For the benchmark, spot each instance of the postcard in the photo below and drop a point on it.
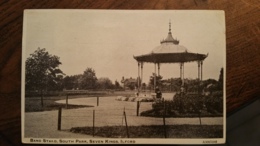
(123, 77)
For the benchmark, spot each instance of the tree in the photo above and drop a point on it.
(158, 80)
(131, 83)
(220, 80)
(88, 80)
(143, 86)
(117, 85)
(68, 83)
(104, 83)
(42, 72)
(59, 83)
(72, 82)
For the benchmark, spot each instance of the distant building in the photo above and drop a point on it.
(129, 83)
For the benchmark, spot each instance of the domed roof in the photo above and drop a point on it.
(169, 48)
(169, 38)
(170, 45)
(170, 52)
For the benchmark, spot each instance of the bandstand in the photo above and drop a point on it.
(169, 51)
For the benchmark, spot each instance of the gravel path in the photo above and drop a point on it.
(108, 113)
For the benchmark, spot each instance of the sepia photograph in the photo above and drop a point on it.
(123, 77)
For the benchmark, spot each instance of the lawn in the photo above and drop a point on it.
(108, 119)
(33, 104)
(154, 131)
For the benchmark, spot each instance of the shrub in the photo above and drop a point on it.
(188, 103)
(214, 102)
(166, 108)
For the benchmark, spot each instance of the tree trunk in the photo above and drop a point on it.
(41, 98)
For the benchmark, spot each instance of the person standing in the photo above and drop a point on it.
(158, 92)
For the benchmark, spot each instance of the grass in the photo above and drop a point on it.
(33, 104)
(154, 131)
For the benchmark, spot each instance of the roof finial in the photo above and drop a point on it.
(170, 26)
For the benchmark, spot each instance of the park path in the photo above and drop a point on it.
(108, 113)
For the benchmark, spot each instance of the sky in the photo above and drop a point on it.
(107, 40)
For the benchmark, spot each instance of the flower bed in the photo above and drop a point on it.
(188, 105)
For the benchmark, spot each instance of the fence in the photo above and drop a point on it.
(110, 112)
(102, 117)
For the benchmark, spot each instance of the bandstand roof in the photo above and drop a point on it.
(170, 52)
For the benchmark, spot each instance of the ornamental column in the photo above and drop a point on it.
(181, 71)
(141, 75)
(182, 74)
(158, 69)
(138, 78)
(199, 69)
(154, 76)
(158, 65)
(201, 64)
